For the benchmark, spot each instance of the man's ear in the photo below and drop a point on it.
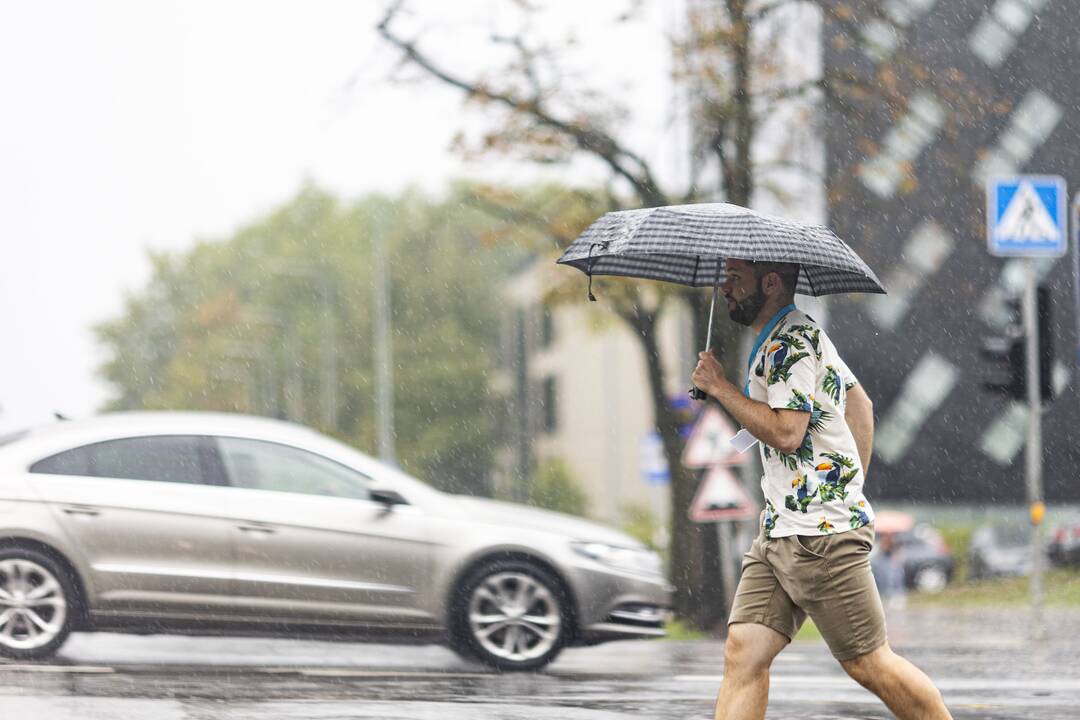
(772, 283)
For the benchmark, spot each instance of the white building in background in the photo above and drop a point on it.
(575, 383)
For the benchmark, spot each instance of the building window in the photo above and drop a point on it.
(548, 399)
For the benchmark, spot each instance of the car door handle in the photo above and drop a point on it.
(266, 530)
(81, 510)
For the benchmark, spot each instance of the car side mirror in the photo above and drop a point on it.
(389, 498)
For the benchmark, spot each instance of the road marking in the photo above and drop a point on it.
(1046, 685)
(359, 673)
(89, 669)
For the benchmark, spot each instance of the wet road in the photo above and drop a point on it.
(982, 661)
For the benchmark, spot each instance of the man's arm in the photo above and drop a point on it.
(782, 429)
(859, 415)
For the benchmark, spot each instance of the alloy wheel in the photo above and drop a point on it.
(514, 616)
(33, 605)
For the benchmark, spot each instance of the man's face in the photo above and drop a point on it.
(743, 293)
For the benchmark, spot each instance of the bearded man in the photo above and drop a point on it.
(815, 427)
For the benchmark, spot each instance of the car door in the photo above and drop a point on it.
(148, 515)
(312, 545)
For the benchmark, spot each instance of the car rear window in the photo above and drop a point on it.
(160, 458)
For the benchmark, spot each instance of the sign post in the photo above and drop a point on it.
(1026, 217)
(1076, 267)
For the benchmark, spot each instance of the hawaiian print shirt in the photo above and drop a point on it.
(816, 490)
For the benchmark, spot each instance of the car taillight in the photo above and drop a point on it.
(1059, 536)
(1076, 531)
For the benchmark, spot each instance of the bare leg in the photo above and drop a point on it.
(904, 688)
(748, 654)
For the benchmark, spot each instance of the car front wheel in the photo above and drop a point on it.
(511, 615)
(36, 604)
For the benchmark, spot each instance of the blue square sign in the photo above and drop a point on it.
(1027, 216)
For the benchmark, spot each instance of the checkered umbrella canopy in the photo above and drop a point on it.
(687, 244)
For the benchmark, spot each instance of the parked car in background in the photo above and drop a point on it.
(1000, 551)
(224, 524)
(1064, 544)
(921, 551)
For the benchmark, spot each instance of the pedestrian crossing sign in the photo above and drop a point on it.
(1027, 216)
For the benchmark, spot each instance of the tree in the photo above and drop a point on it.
(238, 325)
(553, 486)
(731, 61)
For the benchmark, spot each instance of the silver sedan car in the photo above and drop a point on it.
(224, 524)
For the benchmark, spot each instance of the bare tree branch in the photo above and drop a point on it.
(777, 165)
(622, 161)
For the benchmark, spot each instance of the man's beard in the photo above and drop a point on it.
(746, 311)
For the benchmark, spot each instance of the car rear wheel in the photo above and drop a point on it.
(36, 604)
(511, 615)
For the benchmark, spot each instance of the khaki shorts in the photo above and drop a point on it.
(826, 577)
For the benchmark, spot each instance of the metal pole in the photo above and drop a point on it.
(328, 331)
(1033, 456)
(712, 306)
(294, 376)
(1076, 270)
(384, 374)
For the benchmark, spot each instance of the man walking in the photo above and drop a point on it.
(815, 426)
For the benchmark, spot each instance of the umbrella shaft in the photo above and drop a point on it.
(712, 307)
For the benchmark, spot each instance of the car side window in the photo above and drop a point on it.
(261, 465)
(158, 458)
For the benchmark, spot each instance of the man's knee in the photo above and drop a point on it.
(872, 668)
(750, 649)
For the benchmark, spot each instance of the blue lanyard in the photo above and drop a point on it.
(761, 338)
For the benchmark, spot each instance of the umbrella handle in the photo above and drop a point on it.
(697, 393)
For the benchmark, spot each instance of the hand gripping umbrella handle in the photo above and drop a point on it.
(695, 392)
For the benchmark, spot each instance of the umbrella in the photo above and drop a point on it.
(687, 244)
(892, 521)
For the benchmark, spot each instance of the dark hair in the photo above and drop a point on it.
(788, 272)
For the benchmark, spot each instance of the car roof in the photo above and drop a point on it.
(46, 440)
(158, 422)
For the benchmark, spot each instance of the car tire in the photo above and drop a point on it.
(930, 579)
(38, 604)
(512, 615)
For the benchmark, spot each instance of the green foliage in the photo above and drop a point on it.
(958, 538)
(681, 630)
(554, 487)
(640, 523)
(240, 325)
(808, 632)
(1061, 587)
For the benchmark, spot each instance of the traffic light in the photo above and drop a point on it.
(1009, 350)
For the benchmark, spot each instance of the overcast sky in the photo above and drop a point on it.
(128, 126)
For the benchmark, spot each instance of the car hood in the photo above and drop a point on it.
(507, 514)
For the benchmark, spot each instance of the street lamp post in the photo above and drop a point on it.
(328, 381)
(384, 371)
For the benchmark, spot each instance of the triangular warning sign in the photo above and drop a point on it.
(708, 443)
(721, 497)
(1026, 219)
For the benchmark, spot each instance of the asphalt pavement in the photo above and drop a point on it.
(983, 660)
